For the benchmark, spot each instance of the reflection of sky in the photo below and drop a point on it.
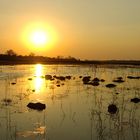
(38, 80)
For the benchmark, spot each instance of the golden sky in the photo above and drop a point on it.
(86, 29)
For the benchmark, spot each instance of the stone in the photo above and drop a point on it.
(36, 106)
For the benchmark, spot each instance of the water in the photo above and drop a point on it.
(74, 111)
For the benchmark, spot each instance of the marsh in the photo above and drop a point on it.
(73, 110)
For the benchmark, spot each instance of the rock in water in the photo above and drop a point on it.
(36, 106)
(112, 109)
(135, 100)
(110, 85)
(133, 77)
(102, 80)
(95, 83)
(13, 83)
(48, 77)
(96, 79)
(86, 79)
(119, 81)
(68, 77)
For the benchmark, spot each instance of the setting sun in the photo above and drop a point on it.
(39, 38)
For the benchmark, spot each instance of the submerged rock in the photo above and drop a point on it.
(13, 83)
(30, 79)
(48, 77)
(95, 83)
(110, 85)
(33, 90)
(80, 76)
(135, 100)
(102, 80)
(37, 106)
(112, 109)
(42, 76)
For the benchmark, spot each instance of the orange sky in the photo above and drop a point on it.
(84, 29)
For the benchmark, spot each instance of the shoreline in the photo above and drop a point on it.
(97, 62)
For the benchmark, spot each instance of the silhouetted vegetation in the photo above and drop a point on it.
(11, 57)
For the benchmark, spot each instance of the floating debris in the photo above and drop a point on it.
(112, 109)
(58, 85)
(37, 106)
(110, 85)
(135, 100)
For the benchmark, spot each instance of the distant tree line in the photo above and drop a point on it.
(10, 57)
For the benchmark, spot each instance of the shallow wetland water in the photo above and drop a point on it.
(80, 103)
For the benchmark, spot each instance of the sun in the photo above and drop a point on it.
(39, 38)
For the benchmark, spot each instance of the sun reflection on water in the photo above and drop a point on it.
(38, 80)
(38, 70)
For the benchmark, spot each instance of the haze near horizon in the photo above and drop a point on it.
(91, 29)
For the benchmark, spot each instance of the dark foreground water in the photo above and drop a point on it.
(74, 110)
